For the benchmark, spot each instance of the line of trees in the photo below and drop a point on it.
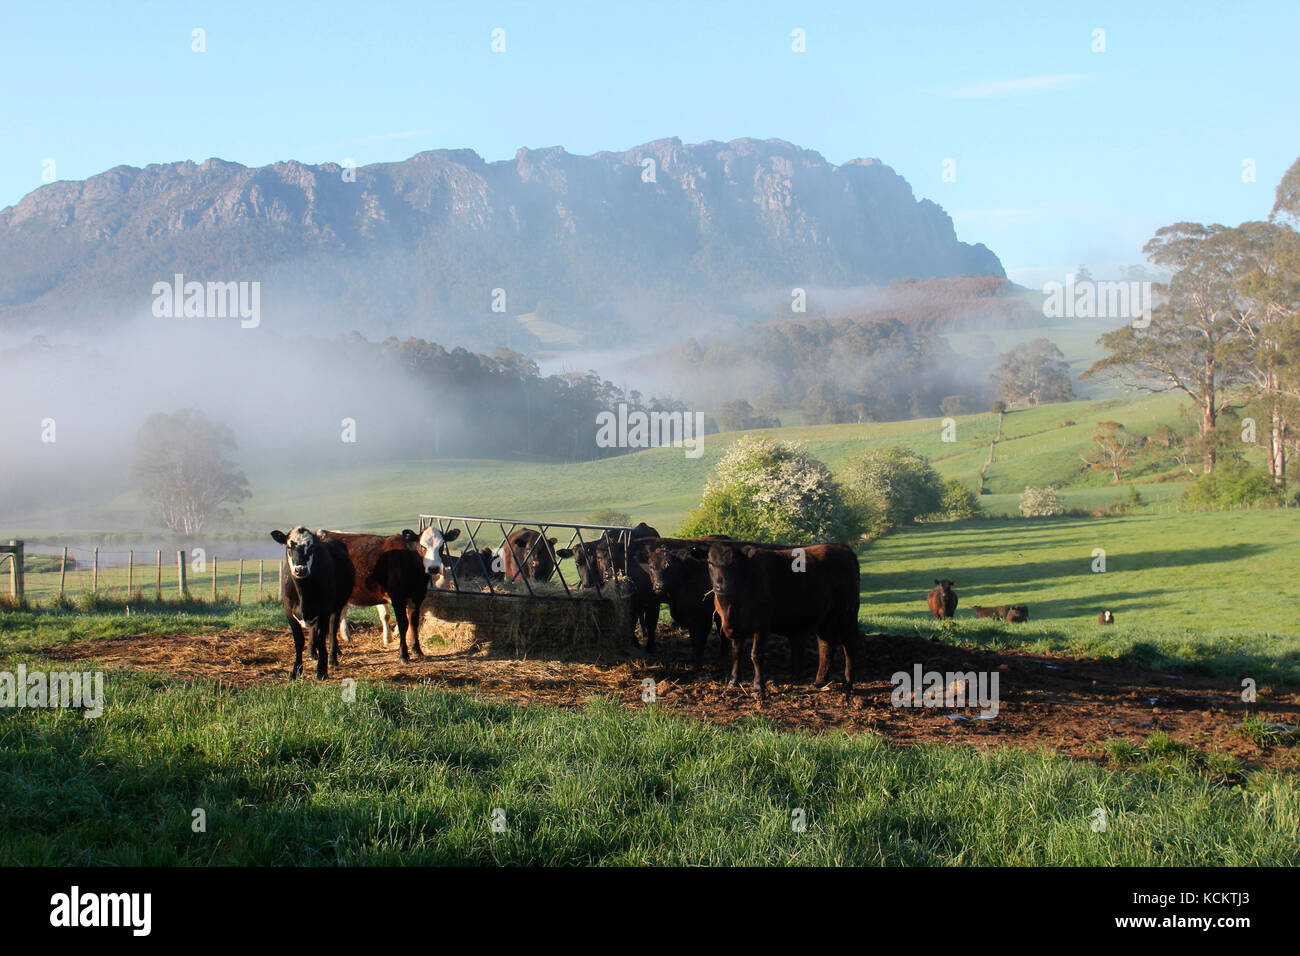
(1226, 331)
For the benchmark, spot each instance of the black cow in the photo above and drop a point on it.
(791, 591)
(942, 600)
(606, 558)
(477, 566)
(679, 577)
(315, 592)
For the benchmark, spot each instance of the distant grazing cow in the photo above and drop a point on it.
(1012, 613)
(390, 569)
(526, 555)
(791, 591)
(1106, 617)
(942, 600)
(314, 592)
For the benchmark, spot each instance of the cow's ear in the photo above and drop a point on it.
(409, 535)
(551, 541)
(936, 580)
(563, 552)
(279, 536)
(451, 535)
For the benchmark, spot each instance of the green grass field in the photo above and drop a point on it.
(412, 774)
(297, 775)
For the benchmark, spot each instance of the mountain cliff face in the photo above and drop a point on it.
(610, 247)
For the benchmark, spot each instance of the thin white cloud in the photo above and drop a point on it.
(1047, 83)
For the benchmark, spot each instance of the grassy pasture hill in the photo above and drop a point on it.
(1039, 446)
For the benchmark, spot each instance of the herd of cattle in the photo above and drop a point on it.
(748, 590)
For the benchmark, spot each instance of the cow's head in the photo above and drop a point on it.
(431, 545)
(534, 557)
(584, 559)
(299, 550)
(944, 584)
(667, 567)
(1107, 617)
(727, 566)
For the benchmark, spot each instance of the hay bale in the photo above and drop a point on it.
(512, 623)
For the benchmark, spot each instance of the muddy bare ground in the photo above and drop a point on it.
(1070, 705)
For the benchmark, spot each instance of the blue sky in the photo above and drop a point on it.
(1063, 155)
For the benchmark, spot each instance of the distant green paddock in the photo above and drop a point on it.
(1203, 589)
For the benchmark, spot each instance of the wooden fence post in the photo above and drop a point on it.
(260, 562)
(94, 572)
(130, 572)
(239, 583)
(279, 577)
(63, 569)
(180, 573)
(16, 584)
(158, 583)
(214, 579)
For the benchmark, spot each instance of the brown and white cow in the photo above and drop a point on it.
(393, 569)
(431, 546)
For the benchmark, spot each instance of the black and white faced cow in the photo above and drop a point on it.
(315, 591)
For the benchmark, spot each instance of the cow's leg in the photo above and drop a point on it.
(318, 630)
(699, 638)
(823, 662)
(650, 624)
(399, 611)
(334, 623)
(756, 655)
(303, 626)
(850, 651)
(344, 636)
(385, 621)
(735, 660)
(412, 607)
(298, 639)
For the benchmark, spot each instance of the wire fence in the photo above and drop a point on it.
(128, 573)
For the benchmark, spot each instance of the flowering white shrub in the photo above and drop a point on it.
(770, 491)
(1041, 503)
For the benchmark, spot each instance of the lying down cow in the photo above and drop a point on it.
(1011, 613)
(791, 591)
